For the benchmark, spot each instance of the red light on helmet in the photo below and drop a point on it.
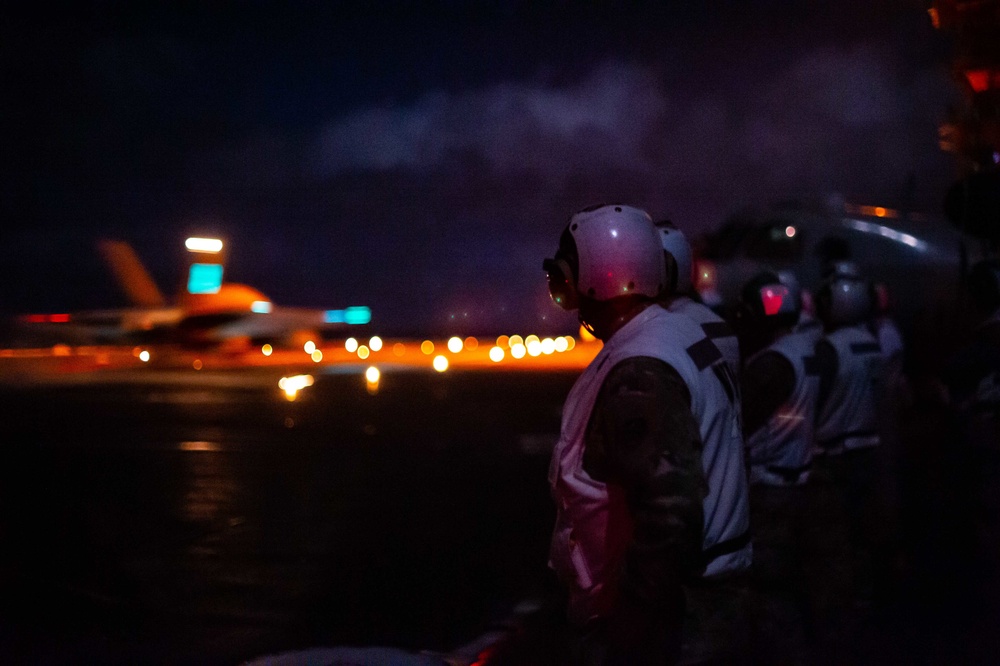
(773, 298)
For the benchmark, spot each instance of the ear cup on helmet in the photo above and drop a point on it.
(678, 258)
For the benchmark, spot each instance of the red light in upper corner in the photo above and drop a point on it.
(59, 318)
(772, 298)
(980, 79)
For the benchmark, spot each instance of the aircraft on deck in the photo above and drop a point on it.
(208, 311)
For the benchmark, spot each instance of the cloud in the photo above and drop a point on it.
(599, 122)
(850, 87)
(800, 128)
(464, 192)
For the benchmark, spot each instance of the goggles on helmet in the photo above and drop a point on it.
(561, 286)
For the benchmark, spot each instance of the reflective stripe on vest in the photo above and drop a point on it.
(714, 327)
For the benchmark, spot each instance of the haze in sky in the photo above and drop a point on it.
(423, 162)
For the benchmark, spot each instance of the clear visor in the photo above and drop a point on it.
(561, 287)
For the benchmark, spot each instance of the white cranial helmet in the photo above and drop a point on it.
(607, 252)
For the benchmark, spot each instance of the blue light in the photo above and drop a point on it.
(261, 307)
(204, 279)
(358, 315)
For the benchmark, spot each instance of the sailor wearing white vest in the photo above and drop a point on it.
(680, 294)
(849, 429)
(780, 385)
(850, 363)
(648, 474)
(780, 389)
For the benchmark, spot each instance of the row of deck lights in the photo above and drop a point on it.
(518, 347)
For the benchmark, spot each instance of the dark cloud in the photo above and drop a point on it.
(796, 131)
(424, 162)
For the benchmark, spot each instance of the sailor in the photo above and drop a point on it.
(848, 428)
(681, 296)
(850, 362)
(780, 385)
(780, 391)
(648, 473)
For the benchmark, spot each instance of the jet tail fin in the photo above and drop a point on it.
(130, 274)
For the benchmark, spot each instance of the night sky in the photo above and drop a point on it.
(423, 161)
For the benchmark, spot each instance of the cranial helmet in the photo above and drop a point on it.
(845, 297)
(772, 301)
(605, 253)
(677, 257)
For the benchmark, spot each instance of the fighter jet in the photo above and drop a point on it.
(207, 311)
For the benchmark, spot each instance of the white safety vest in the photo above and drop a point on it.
(593, 527)
(714, 327)
(849, 418)
(781, 450)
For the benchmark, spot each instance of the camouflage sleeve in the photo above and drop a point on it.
(643, 437)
